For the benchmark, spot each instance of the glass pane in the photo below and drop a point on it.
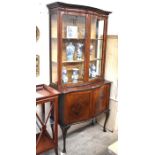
(96, 49)
(95, 69)
(96, 46)
(97, 27)
(54, 50)
(73, 61)
(72, 73)
(54, 26)
(73, 49)
(73, 26)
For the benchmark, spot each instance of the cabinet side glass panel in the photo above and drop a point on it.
(96, 46)
(54, 48)
(73, 48)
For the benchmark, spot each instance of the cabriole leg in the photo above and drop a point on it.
(94, 121)
(107, 116)
(64, 134)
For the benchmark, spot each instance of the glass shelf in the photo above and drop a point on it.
(74, 61)
(93, 78)
(71, 82)
(69, 38)
(95, 59)
(73, 38)
(96, 39)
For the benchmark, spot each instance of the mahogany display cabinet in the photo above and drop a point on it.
(77, 43)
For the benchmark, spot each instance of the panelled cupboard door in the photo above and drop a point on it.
(101, 99)
(77, 107)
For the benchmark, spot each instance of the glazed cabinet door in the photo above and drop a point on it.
(53, 48)
(96, 52)
(101, 99)
(73, 48)
(77, 107)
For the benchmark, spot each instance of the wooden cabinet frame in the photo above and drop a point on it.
(87, 14)
(94, 92)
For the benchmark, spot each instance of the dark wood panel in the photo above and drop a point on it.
(101, 99)
(77, 107)
(75, 6)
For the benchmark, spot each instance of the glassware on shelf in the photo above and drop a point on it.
(64, 75)
(75, 75)
(70, 49)
(79, 51)
(92, 71)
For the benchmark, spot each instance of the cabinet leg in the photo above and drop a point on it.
(107, 116)
(94, 121)
(64, 134)
(56, 151)
(52, 130)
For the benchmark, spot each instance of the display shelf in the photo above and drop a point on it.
(74, 61)
(76, 39)
(93, 78)
(96, 39)
(94, 59)
(54, 61)
(77, 83)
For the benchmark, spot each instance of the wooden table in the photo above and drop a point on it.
(45, 140)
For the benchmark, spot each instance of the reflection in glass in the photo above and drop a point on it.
(54, 51)
(95, 69)
(64, 75)
(92, 71)
(96, 49)
(97, 26)
(79, 51)
(75, 75)
(73, 26)
(70, 49)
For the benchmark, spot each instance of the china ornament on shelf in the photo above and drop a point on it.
(91, 49)
(92, 71)
(79, 51)
(70, 49)
(64, 75)
(75, 75)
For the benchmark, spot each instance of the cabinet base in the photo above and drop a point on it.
(64, 130)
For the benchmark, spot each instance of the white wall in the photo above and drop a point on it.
(42, 46)
(111, 74)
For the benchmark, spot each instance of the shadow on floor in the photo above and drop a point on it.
(88, 140)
